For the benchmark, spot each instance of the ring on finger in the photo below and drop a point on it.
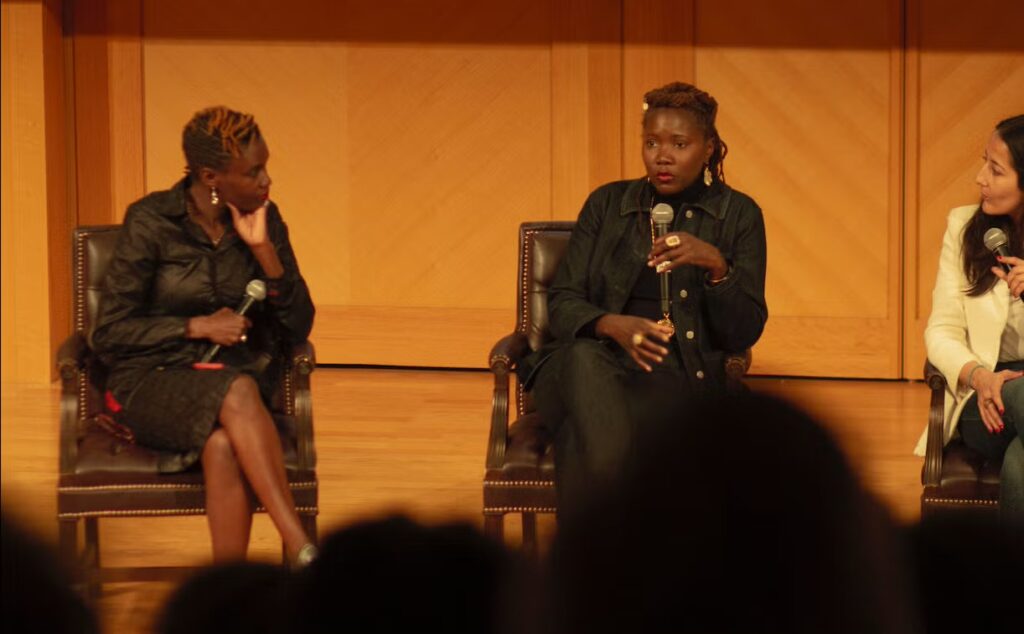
(673, 241)
(638, 339)
(664, 265)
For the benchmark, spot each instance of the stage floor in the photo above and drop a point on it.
(411, 441)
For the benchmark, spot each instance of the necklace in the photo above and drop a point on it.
(197, 217)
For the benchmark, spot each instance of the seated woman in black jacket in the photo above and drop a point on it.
(183, 261)
(618, 359)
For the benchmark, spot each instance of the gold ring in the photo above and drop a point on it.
(638, 339)
(663, 266)
(672, 241)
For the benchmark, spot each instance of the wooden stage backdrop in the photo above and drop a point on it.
(409, 140)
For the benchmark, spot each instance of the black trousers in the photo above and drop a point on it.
(595, 400)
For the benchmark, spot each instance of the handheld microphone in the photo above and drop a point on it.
(996, 242)
(662, 216)
(255, 291)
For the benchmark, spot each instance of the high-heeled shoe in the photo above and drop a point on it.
(306, 555)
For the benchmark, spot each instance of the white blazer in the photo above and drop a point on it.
(961, 328)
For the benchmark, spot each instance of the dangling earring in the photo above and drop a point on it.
(707, 175)
(215, 199)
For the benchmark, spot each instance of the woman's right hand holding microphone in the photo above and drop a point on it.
(224, 327)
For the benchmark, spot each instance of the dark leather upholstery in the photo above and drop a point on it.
(955, 477)
(520, 457)
(102, 475)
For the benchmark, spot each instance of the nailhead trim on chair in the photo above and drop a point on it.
(190, 511)
(519, 483)
(525, 279)
(501, 510)
(501, 357)
(140, 512)
(182, 487)
(955, 501)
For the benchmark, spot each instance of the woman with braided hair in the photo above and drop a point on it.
(618, 360)
(183, 261)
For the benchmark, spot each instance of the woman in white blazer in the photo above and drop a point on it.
(975, 334)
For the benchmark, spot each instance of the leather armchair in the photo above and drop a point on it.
(520, 465)
(102, 475)
(955, 477)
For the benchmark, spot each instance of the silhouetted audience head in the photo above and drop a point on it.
(239, 597)
(394, 575)
(741, 515)
(970, 572)
(37, 596)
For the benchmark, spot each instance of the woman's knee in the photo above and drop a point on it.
(586, 360)
(1013, 403)
(218, 450)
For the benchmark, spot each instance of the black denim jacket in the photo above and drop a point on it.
(608, 250)
(165, 270)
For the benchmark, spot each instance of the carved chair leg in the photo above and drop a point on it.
(530, 534)
(92, 558)
(494, 527)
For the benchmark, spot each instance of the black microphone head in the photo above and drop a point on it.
(256, 289)
(662, 214)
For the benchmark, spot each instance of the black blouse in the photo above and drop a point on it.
(165, 270)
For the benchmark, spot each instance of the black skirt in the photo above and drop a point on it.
(174, 410)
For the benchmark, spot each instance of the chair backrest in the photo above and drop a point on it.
(91, 252)
(541, 247)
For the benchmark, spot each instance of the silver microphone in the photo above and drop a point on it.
(255, 291)
(662, 216)
(996, 242)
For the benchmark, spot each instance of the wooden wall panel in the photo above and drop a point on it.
(404, 168)
(813, 133)
(108, 103)
(27, 194)
(586, 101)
(60, 213)
(409, 139)
(965, 73)
(657, 48)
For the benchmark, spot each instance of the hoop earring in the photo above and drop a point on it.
(215, 198)
(707, 175)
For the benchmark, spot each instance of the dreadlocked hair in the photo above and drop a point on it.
(978, 260)
(703, 107)
(214, 135)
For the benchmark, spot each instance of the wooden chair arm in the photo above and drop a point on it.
(737, 364)
(932, 473)
(72, 356)
(509, 350)
(302, 362)
(505, 354)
